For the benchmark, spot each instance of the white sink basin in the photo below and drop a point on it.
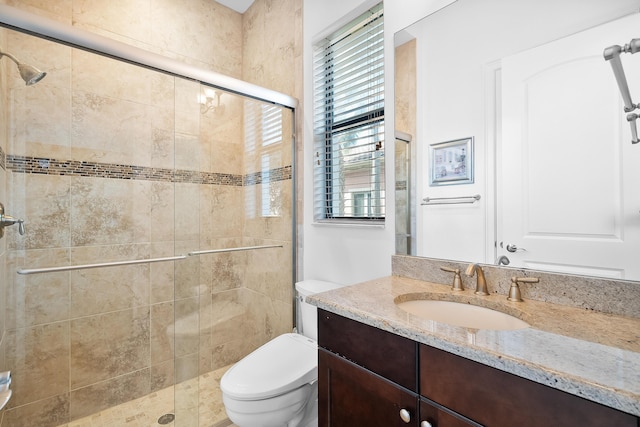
(459, 314)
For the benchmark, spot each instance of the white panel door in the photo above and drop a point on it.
(569, 184)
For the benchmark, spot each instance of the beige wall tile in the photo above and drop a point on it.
(163, 210)
(226, 353)
(187, 199)
(41, 115)
(162, 375)
(45, 209)
(36, 299)
(109, 289)
(38, 355)
(228, 269)
(50, 412)
(227, 212)
(58, 7)
(96, 397)
(189, 152)
(109, 211)
(162, 332)
(224, 129)
(186, 369)
(187, 108)
(111, 78)
(162, 274)
(230, 316)
(108, 345)
(187, 327)
(110, 130)
(187, 272)
(123, 17)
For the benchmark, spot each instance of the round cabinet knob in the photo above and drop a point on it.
(405, 415)
(425, 424)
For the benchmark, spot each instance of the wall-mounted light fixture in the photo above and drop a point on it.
(210, 100)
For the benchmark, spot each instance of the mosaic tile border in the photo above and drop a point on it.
(48, 166)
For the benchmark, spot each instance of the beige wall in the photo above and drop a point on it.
(95, 338)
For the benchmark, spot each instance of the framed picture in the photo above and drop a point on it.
(451, 162)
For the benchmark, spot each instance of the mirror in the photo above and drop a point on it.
(553, 158)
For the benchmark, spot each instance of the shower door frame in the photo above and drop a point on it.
(41, 27)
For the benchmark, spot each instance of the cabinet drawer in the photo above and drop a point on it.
(496, 398)
(382, 352)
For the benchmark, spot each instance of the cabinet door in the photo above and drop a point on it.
(349, 395)
(498, 399)
(436, 416)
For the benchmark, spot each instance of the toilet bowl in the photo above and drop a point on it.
(276, 385)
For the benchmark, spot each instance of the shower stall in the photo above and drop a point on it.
(158, 246)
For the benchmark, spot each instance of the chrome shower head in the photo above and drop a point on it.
(30, 74)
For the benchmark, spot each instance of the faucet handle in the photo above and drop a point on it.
(514, 290)
(6, 220)
(457, 281)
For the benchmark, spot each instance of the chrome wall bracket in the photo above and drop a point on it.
(6, 220)
(612, 54)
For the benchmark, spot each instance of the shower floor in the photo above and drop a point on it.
(145, 411)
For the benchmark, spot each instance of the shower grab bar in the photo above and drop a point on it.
(25, 271)
(450, 200)
(246, 248)
(98, 265)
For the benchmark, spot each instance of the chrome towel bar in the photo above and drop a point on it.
(450, 200)
(25, 271)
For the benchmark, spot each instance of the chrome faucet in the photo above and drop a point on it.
(481, 283)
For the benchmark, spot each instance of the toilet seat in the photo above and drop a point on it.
(283, 364)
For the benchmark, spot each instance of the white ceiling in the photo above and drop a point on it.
(237, 5)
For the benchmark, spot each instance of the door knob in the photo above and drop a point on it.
(405, 415)
(502, 260)
(512, 248)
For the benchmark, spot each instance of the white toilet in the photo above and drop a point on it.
(276, 385)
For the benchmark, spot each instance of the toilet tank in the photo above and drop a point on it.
(307, 314)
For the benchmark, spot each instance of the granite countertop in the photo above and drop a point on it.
(586, 353)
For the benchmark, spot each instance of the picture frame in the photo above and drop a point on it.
(451, 162)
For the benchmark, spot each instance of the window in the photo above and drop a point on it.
(349, 121)
(263, 133)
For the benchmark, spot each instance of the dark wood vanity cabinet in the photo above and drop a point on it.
(367, 376)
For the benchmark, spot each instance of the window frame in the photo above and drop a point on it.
(370, 119)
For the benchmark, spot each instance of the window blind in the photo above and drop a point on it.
(349, 121)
